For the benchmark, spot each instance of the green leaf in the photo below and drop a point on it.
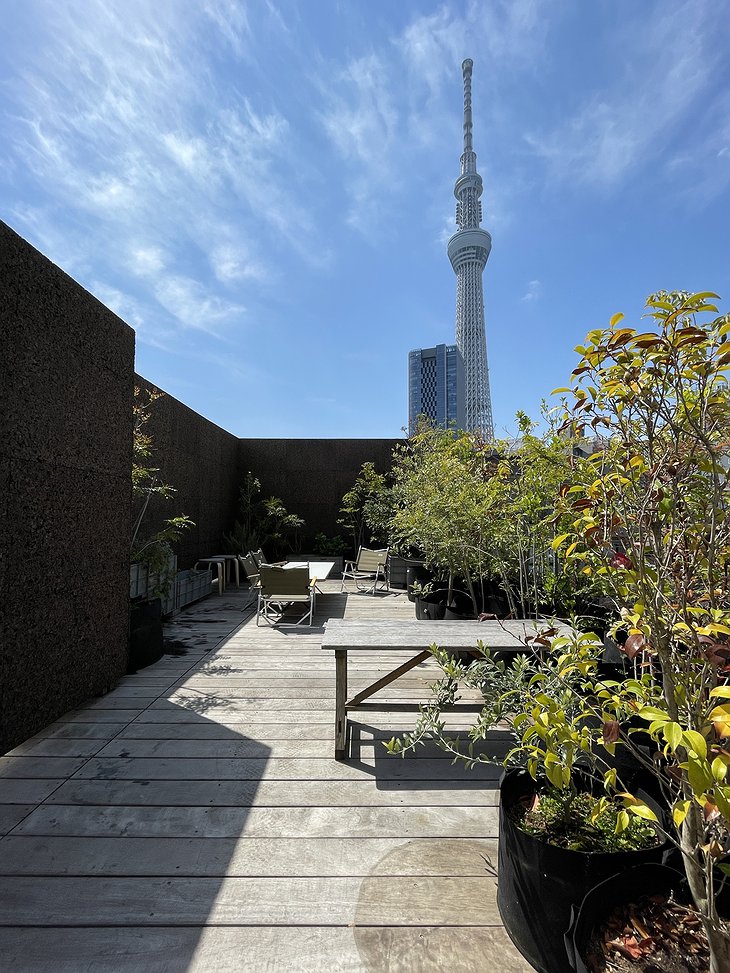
(652, 714)
(622, 821)
(695, 742)
(719, 769)
(643, 810)
(673, 734)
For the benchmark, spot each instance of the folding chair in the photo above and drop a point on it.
(252, 574)
(280, 587)
(369, 566)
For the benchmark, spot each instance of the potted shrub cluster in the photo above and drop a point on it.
(644, 518)
(477, 512)
(263, 524)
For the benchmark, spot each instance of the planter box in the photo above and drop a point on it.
(146, 585)
(191, 585)
(397, 572)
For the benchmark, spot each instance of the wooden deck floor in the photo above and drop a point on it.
(194, 820)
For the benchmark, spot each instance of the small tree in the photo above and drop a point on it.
(263, 523)
(443, 490)
(365, 508)
(653, 524)
(154, 549)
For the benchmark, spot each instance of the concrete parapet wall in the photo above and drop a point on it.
(66, 367)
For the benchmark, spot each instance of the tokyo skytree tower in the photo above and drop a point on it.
(468, 251)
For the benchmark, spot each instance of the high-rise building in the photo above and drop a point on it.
(436, 386)
(468, 251)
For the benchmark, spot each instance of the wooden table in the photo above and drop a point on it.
(372, 635)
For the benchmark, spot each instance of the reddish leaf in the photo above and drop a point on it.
(620, 560)
(633, 645)
(610, 731)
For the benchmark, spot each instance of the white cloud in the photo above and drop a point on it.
(149, 260)
(193, 306)
(533, 292)
(122, 120)
(629, 122)
(233, 262)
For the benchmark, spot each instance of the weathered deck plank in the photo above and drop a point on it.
(193, 819)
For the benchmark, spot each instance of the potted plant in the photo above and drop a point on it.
(567, 817)
(263, 523)
(365, 509)
(154, 565)
(652, 523)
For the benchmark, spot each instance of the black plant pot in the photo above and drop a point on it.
(614, 892)
(416, 573)
(460, 607)
(432, 607)
(145, 633)
(539, 884)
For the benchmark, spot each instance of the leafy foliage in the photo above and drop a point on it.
(263, 523)
(652, 524)
(335, 546)
(153, 550)
(366, 508)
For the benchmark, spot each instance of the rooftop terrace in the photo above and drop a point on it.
(194, 819)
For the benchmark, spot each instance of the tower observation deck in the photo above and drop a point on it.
(468, 251)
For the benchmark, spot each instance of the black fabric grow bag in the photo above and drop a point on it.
(539, 884)
(432, 607)
(460, 607)
(618, 890)
(145, 634)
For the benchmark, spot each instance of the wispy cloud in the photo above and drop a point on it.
(533, 292)
(630, 121)
(122, 121)
(195, 307)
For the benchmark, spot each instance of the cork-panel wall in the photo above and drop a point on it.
(201, 461)
(311, 476)
(66, 379)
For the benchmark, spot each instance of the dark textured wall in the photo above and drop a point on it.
(311, 475)
(201, 461)
(66, 367)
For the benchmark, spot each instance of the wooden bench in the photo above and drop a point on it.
(371, 635)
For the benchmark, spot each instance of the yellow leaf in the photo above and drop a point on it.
(615, 319)
(720, 718)
(557, 541)
(679, 811)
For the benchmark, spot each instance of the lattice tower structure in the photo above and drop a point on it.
(468, 251)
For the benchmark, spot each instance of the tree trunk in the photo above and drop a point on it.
(719, 949)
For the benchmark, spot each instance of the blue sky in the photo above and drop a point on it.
(264, 190)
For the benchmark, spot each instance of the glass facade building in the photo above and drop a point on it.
(436, 386)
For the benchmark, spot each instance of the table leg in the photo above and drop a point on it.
(340, 700)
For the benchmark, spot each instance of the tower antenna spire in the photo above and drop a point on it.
(468, 251)
(468, 159)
